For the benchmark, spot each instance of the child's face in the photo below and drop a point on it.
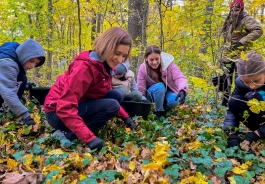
(254, 81)
(117, 76)
(31, 63)
(153, 60)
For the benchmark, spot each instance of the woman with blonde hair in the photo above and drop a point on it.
(82, 99)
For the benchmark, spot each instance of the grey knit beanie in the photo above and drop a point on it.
(121, 69)
(28, 50)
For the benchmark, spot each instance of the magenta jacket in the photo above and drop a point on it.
(171, 76)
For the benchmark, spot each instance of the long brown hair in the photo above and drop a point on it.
(106, 44)
(150, 71)
(253, 65)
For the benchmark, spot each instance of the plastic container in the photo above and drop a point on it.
(39, 93)
(137, 108)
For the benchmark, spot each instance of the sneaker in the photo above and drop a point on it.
(63, 140)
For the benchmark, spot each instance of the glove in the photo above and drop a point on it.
(233, 140)
(238, 44)
(181, 96)
(129, 123)
(28, 121)
(96, 143)
(29, 85)
(251, 137)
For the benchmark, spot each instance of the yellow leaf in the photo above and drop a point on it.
(243, 56)
(232, 180)
(28, 161)
(12, 164)
(151, 166)
(2, 136)
(256, 106)
(132, 165)
(74, 182)
(194, 145)
(217, 148)
(81, 177)
(238, 170)
(56, 152)
(51, 168)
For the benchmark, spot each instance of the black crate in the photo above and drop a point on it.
(137, 108)
(39, 93)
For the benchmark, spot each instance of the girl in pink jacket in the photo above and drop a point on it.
(161, 81)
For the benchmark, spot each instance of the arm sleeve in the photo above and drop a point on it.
(9, 71)
(141, 83)
(179, 78)
(230, 122)
(123, 114)
(255, 29)
(75, 86)
(133, 85)
(261, 131)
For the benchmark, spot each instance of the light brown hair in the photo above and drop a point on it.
(253, 65)
(106, 44)
(150, 71)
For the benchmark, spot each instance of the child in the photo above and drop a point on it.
(15, 60)
(249, 85)
(82, 99)
(161, 81)
(123, 80)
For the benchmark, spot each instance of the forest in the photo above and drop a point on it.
(186, 146)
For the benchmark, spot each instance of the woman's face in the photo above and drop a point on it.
(254, 81)
(119, 56)
(154, 60)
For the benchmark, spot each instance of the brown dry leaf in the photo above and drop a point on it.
(192, 166)
(235, 162)
(130, 148)
(24, 178)
(181, 131)
(146, 153)
(125, 166)
(245, 145)
(35, 128)
(161, 138)
(215, 180)
(183, 174)
(110, 164)
(118, 166)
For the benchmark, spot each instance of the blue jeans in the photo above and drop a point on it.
(163, 99)
(95, 113)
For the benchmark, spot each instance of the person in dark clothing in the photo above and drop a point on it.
(82, 99)
(15, 60)
(239, 31)
(250, 85)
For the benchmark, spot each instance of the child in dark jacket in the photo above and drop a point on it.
(249, 85)
(15, 60)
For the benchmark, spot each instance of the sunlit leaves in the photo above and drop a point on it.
(256, 106)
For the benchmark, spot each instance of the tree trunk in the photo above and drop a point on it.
(79, 26)
(137, 17)
(50, 36)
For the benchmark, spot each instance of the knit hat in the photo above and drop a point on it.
(28, 50)
(237, 4)
(121, 69)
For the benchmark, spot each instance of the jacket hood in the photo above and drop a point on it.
(28, 50)
(166, 60)
(8, 49)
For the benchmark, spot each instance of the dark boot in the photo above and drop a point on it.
(160, 113)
